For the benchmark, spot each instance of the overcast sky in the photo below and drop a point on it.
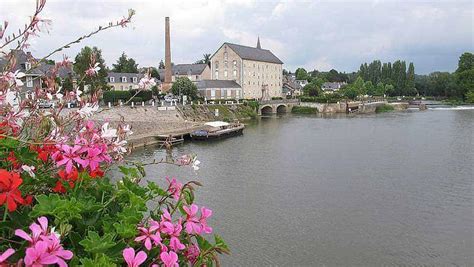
(312, 34)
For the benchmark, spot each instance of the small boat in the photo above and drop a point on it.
(218, 129)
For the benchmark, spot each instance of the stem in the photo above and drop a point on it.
(5, 213)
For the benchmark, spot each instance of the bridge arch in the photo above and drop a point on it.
(267, 109)
(282, 108)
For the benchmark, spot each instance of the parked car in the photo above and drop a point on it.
(45, 104)
(170, 98)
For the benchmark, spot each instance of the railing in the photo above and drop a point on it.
(286, 101)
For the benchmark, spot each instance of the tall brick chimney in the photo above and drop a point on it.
(168, 70)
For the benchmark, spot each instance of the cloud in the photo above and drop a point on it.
(313, 34)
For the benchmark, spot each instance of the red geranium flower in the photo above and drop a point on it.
(65, 177)
(9, 193)
(96, 173)
(13, 160)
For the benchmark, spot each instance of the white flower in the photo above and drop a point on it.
(78, 94)
(119, 146)
(11, 98)
(108, 133)
(196, 164)
(88, 110)
(127, 130)
(13, 78)
(49, 96)
(29, 170)
(59, 96)
(147, 82)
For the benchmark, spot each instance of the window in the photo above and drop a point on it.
(135, 79)
(27, 66)
(225, 55)
(216, 76)
(225, 73)
(29, 81)
(112, 79)
(130, 87)
(229, 93)
(121, 87)
(124, 79)
(234, 73)
(197, 77)
(225, 64)
(213, 93)
(235, 63)
(216, 64)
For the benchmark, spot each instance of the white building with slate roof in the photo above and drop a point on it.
(258, 71)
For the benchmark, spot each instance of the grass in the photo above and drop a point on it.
(304, 110)
(384, 108)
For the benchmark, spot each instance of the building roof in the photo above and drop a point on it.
(184, 69)
(118, 76)
(332, 85)
(253, 53)
(217, 84)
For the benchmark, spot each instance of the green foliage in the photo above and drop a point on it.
(115, 96)
(301, 74)
(125, 65)
(384, 108)
(304, 110)
(206, 58)
(82, 62)
(323, 98)
(184, 86)
(470, 97)
(145, 95)
(311, 89)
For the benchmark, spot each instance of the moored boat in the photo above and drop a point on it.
(218, 129)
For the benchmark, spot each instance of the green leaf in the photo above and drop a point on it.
(204, 245)
(95, 244)
(100, 260)
(125, 230)
(156, 189)
(64, 210)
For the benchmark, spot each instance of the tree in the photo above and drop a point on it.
(311, 89)
(410, 81)
(443, 84)
(184, 86)
(465, 76)
(125, 65)
(82, 62)
(301, 74)
(359, 86)
(285, 72)
(161, 66)
(369, 88)
(206, 59)
(379, 89)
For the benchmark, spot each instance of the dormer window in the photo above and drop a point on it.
(112, 79)
(124, 79)
(134, 79)
(27, 65)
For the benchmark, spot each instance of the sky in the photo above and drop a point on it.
(318, 35)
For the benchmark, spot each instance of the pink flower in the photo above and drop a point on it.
(192, 224)
(174, 188)
(4, 256)
(131, 259)
(38, 255)
(205, 213)
(192, 253)
(56, 250)
(37, 230)
(148, 236)
(174, 231)
(69, 156)
(93, 158)
(170, 259)
(93, 70)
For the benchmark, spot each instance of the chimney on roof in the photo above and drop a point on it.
(258, 43)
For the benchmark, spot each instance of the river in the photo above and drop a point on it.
(372, 190)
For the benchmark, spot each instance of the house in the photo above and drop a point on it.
(195, 72)
(219, 89)
(258, 71)
(34, 75)
(330, 87)
(291, 87)
(123, 81)
(302, 83)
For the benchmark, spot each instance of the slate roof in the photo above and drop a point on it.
(184, 69)
(118, 76)
(331, 86)
(204, 84)
(253, 53)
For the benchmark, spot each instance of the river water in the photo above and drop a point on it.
(385, 189)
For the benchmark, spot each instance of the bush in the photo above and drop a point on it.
(384, 108)
(115, 96)
(136, 99)
(253, 104)
(470, 97)
(146, 95)
(304, 110)
(277, 98)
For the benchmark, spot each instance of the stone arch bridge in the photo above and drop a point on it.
(277, 106)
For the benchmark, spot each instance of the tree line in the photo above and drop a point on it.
(395, 74)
